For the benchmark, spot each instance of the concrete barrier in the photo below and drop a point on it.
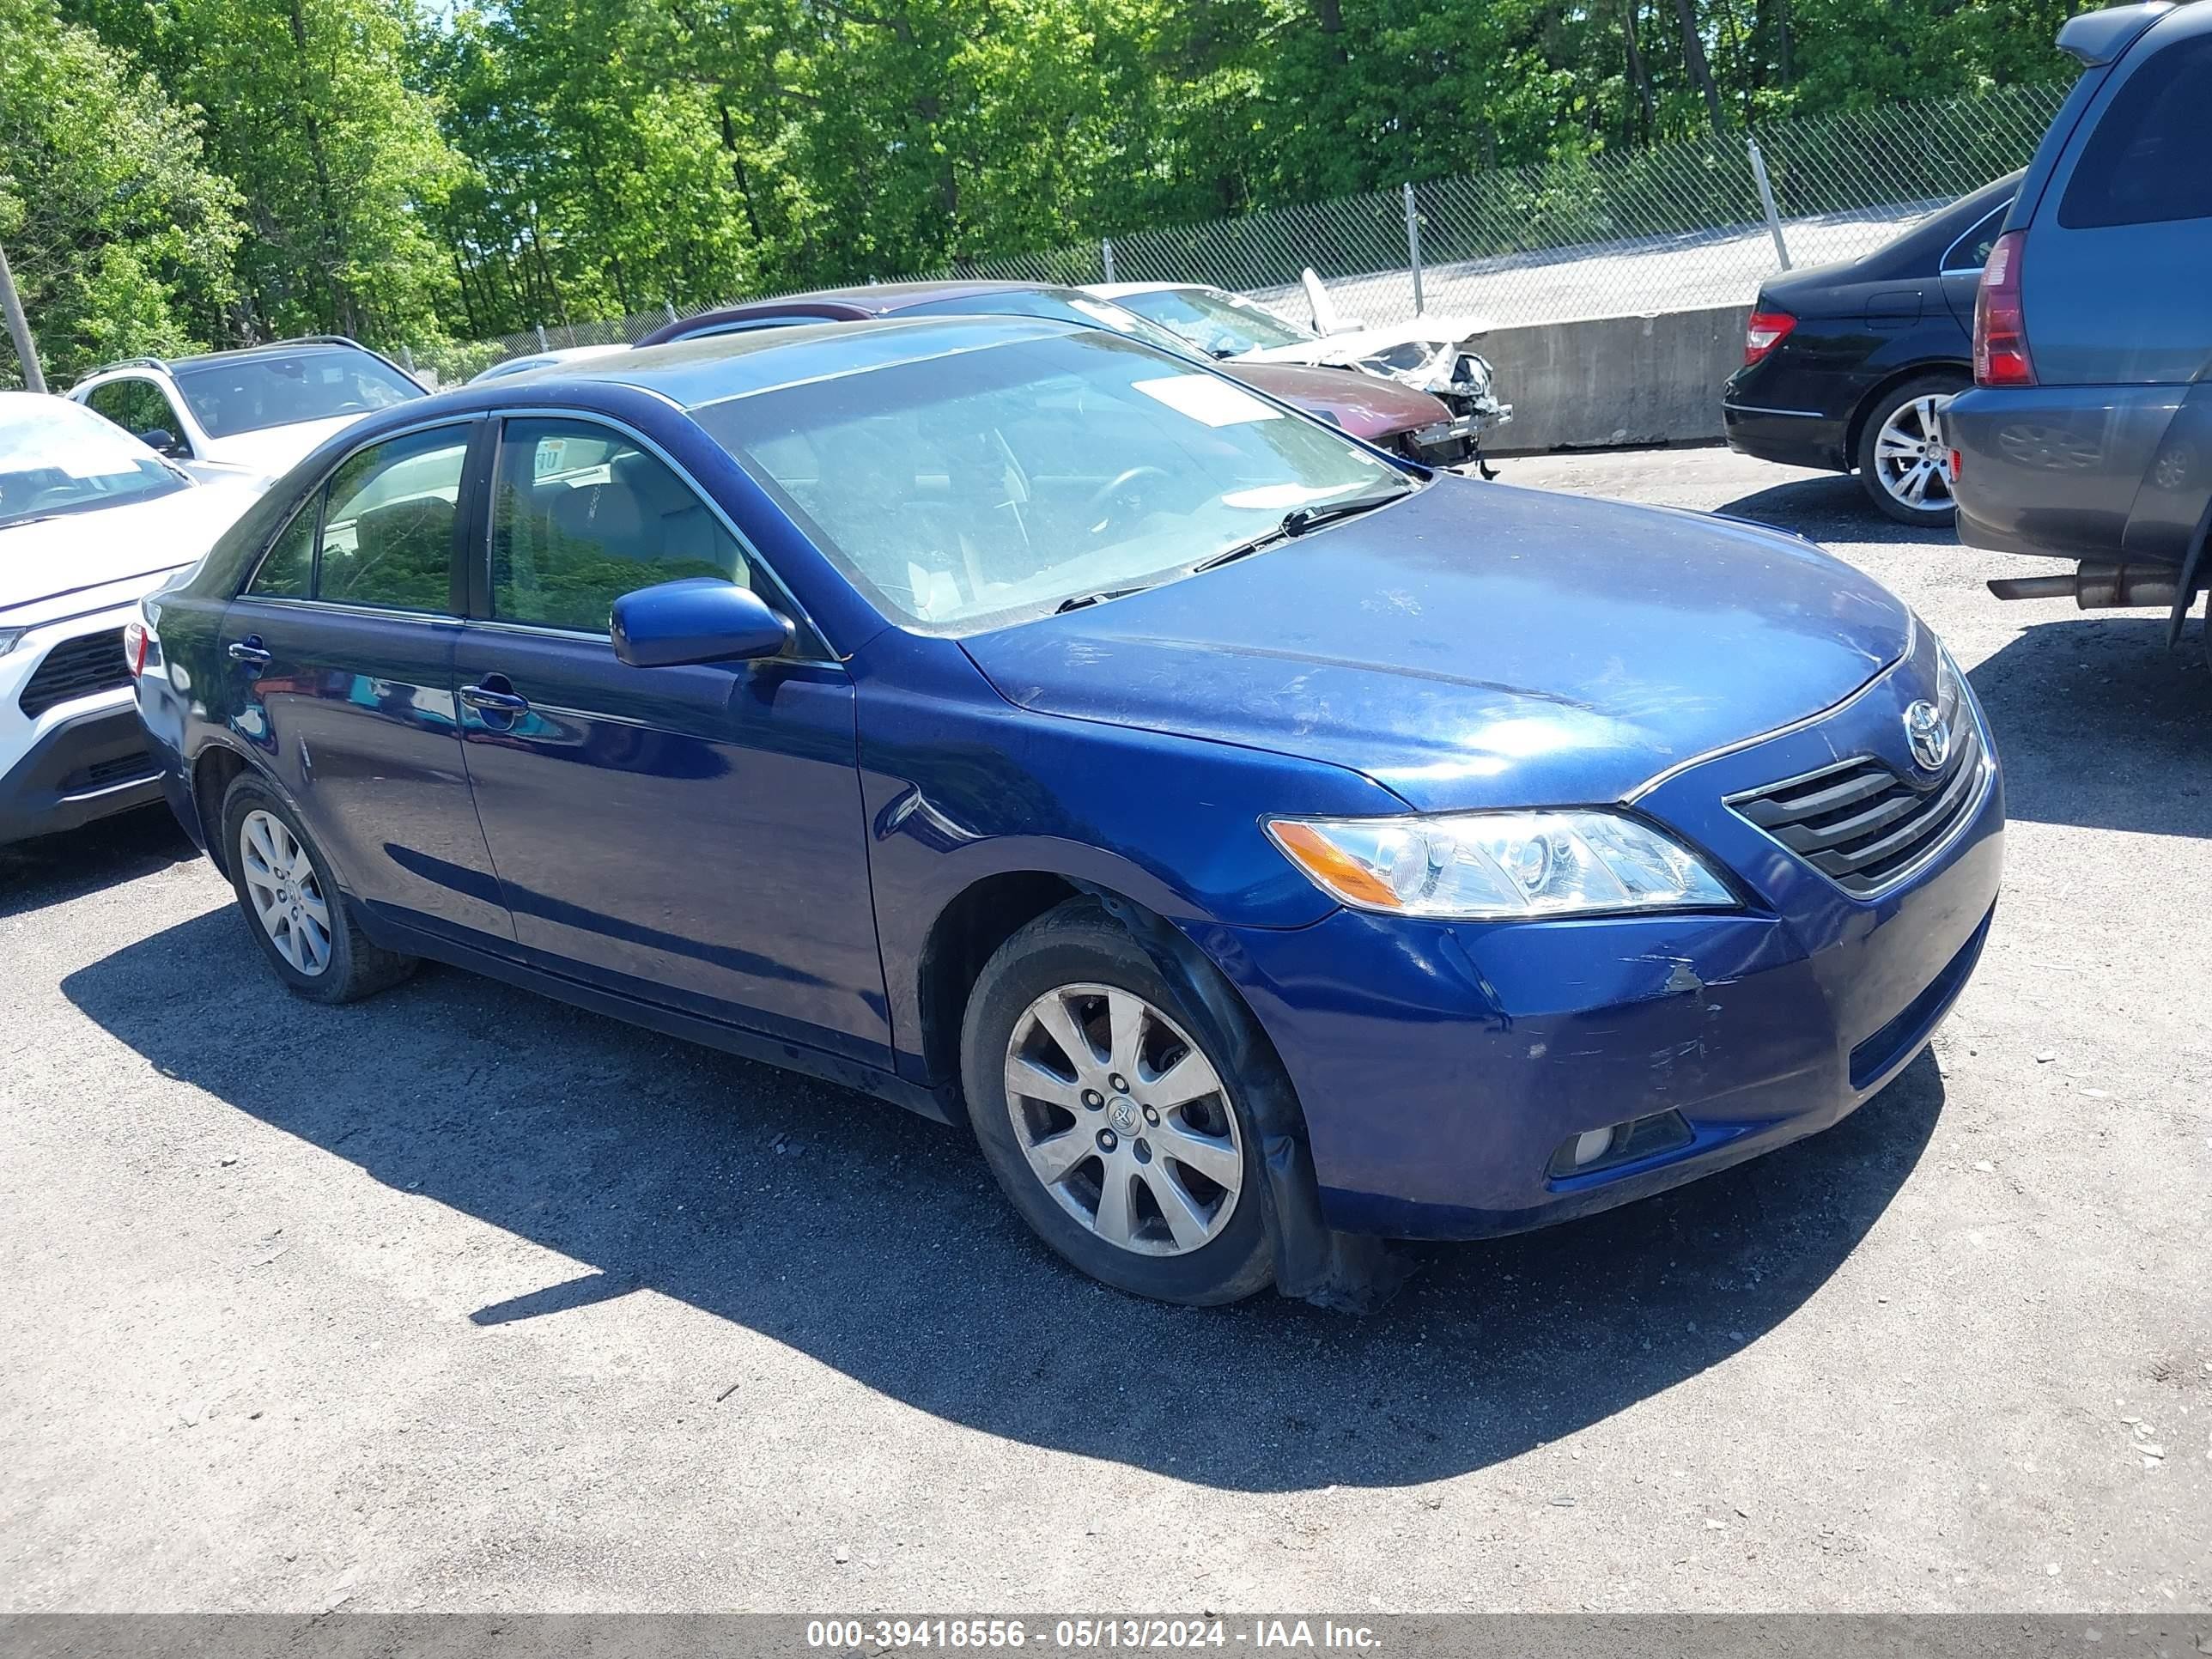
(1614, 380)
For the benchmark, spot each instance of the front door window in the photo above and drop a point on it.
(582, 515)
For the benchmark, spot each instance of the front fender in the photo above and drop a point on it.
(961, 785)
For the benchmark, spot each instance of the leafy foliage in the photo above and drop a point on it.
(121, 238)
(411, 170)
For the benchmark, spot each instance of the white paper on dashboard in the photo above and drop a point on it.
(1203, 398)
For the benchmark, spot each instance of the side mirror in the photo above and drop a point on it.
(161, 441)
(699, 619)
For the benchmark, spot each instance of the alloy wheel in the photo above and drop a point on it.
(1911, 459)
(286, 892)
(1124, 1119)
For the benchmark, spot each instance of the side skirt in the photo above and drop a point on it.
(937, 1103)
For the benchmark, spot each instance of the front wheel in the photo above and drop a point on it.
(1904, 461)
(294, 909)
(1107, 1114)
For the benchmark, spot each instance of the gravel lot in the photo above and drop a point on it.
(460, 1299)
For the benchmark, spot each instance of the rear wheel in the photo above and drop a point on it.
(1105, 1111)
(1905, 461)
(295, 911)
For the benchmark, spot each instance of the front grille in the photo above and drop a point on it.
(76, 668)
(1862, 825)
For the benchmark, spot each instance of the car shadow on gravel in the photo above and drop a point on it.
(2099, 725)
(874, 1242)
(54, 869)
(1831, 507)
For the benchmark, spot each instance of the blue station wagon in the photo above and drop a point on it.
(1263, 844)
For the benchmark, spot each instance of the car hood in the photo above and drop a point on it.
(56, 567)
(272, 451)
(1476, 645)
(1365, 405)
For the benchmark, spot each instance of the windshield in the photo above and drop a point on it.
(231, 395)
(1217, 324)
(974, 489)
(59, 457)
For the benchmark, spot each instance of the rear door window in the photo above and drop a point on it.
(2147, 163)
(388, 520)
(287, 569)
(1971, 251)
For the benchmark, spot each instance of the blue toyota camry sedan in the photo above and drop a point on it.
(1264, 845)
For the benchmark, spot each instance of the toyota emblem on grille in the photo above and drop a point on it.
(1929, 737)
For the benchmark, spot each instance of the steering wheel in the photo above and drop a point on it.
(1103, 498)
(352, 405)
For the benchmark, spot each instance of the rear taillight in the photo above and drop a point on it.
(1764, 332)
(2001, 355)
(138, 644)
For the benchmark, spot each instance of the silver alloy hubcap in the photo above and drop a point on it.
(1123, 1120)
(287, 894)
(1910, 457)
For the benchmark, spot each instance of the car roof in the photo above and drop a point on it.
(718, 367)
(1115, 290)
(879, 298)
(237, 353)
(49, 405)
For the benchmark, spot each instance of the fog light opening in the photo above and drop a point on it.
(1595, 1150)
(1593, 1144)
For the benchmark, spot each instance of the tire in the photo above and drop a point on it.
(1077, 959)
(292, 907)
(1904, 415)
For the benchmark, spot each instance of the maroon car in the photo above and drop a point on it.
(1382, 412)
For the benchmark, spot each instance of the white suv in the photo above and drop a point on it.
(90, 519)
(252, 412)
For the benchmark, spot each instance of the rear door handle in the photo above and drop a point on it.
(492, 701)
(249, 651)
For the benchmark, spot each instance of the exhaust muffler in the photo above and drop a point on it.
(2097, 586)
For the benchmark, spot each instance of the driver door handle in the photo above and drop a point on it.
(494, 699)
(249, 651)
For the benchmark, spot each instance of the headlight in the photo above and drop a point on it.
(1949, 686)
(1484, 866)
(10, 638)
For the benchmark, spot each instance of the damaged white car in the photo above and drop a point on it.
(1435, 355)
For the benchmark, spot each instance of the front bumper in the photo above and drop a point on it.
(88, 763)
(1440, 1065)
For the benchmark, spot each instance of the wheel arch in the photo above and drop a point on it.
(1871, 399)
(1312, 1261)
(215, 768)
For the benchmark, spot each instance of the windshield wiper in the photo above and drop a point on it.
(1300, 520)
(1077, 601)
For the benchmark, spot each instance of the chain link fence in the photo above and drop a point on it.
(1675, 227)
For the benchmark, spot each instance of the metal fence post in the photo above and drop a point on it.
(407, 358)
(1766, 200)
(27, 348)
(1106, 256)
(541, 338)
(669, 305)
(1413, 247)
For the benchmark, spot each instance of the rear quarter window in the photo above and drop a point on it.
(2147, 162)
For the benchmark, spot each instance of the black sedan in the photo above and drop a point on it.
(1846, 366)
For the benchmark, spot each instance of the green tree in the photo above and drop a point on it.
(338, 160)
(120, 237)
